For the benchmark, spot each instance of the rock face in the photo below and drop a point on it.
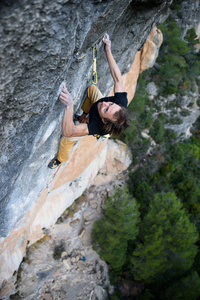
(71, 233)
(44, 44)
(144, 60)
(190, 16)
(150, 50)
(63, 264)
(178, 118)
(59, 195)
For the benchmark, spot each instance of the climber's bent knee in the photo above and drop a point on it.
(65, 148)
(93, 95)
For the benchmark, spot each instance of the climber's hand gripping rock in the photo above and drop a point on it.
(107, 42)
(114, 69)
(69, 129)
(65, 97)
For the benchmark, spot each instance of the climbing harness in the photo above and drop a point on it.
(94, 74)
(101, 138)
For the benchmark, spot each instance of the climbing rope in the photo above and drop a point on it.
(48, 184)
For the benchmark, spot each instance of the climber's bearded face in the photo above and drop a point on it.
(107, 110)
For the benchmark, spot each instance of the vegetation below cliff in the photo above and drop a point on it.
(149, 234)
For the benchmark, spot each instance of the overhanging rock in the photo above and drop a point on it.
(42, 45)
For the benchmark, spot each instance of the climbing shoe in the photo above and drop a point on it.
(54, 163)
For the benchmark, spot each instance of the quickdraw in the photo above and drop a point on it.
(94, 74)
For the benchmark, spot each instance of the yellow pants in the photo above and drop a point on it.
(93, 95)
(67, 143)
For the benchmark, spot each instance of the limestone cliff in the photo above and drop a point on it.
(189, 16)
(42, 45)
(144, 60)
(106, 159)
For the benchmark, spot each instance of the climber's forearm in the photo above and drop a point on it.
(69, 129)
(67, 122)
(115, 72)
(114, 69)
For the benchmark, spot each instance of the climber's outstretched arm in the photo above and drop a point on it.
(69, 129)
(114, 69)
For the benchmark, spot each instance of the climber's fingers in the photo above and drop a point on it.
(64, 89)
(107, 41)
(65, 97)
(106, 37)
(66, 101)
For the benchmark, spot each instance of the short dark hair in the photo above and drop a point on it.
(119, 124)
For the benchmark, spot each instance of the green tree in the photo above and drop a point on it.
(143, 193)
(188, 190)
(171, 72)
(176, 4)
(196, 265)
(137, 105)
(110, 234)
(170, 135)
(191, 38)
(173, 43)
(191, 153)
(178, 59)
(186, 288)
(168, 240)
(177, 153)
(157, 131)
(109, 245)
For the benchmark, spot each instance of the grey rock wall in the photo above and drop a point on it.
(190, 16)
(44, 43)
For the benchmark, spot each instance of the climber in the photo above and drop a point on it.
(107, 115)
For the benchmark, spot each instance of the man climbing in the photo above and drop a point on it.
(107, 115)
